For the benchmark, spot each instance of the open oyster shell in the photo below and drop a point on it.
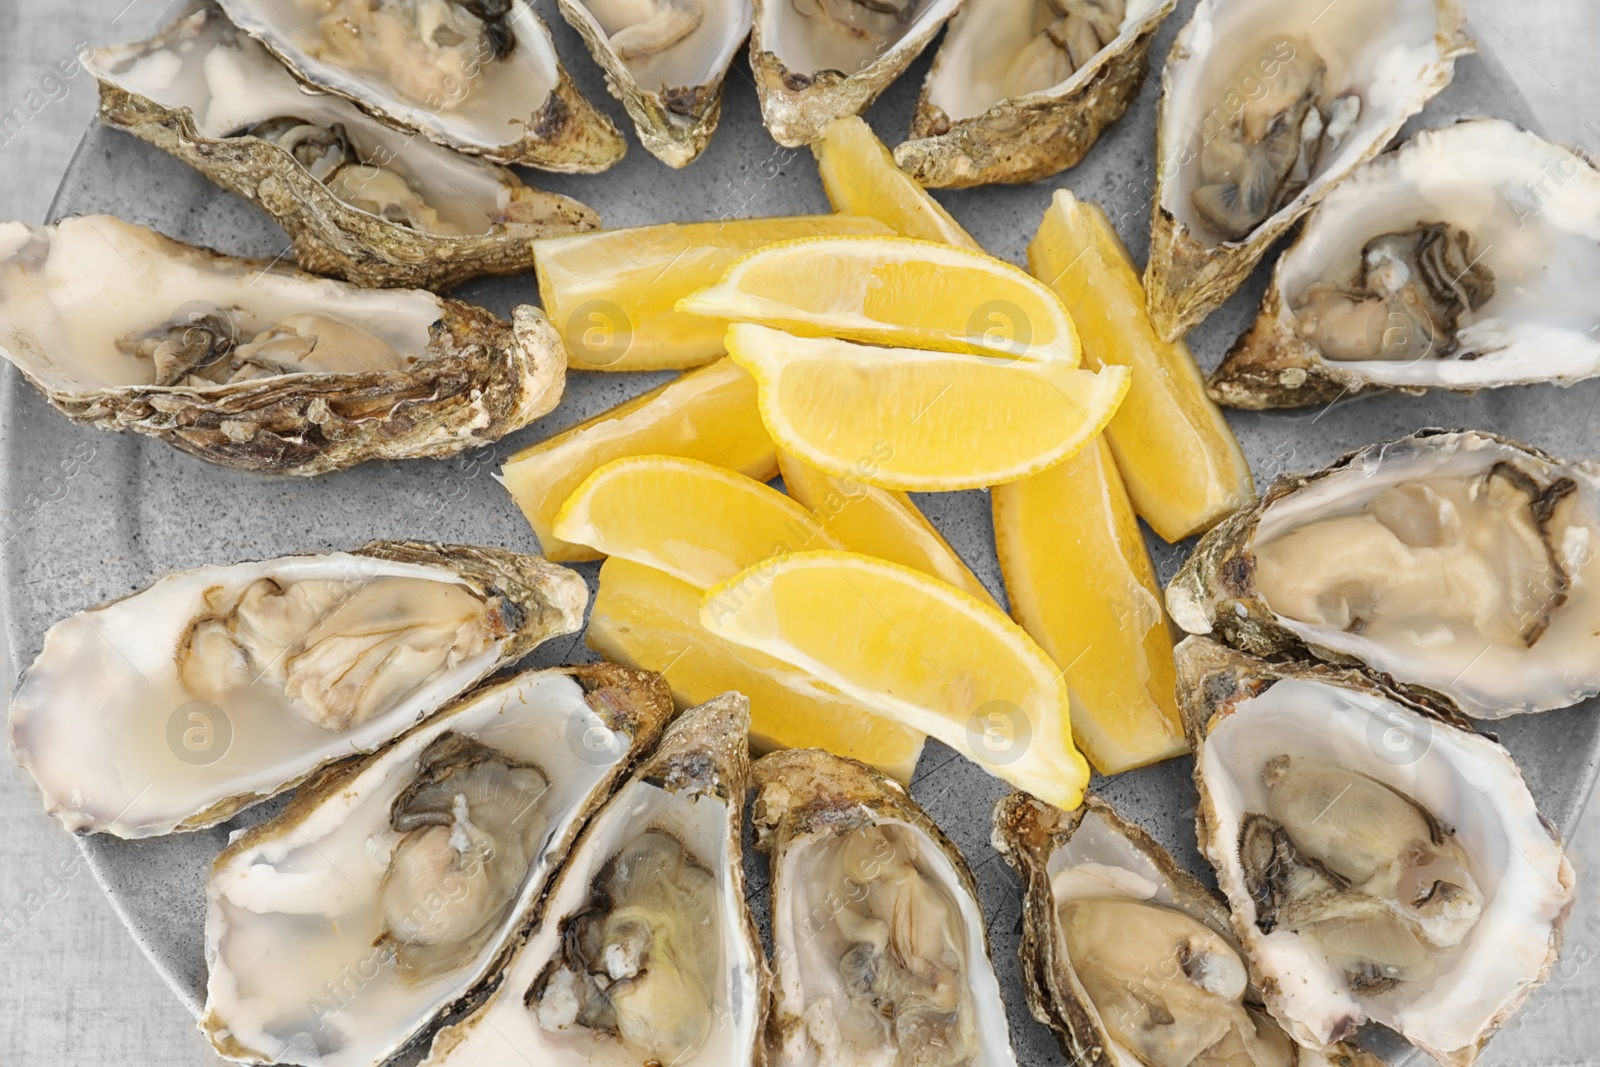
(1135, 916)
(1431, 268)
(358, 199)
(880, 951)
(1266, 105)
(1021, 89)
(645, 951)
(181, 704)
(392, 886)
(1412, 884)
(260, 367)
(666, 61)
(479, 76)
(1459, 563)
(819, 60)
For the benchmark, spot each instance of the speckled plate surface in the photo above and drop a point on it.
(90, 515)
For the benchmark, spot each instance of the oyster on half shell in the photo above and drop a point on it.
(1465, 259)
(819, 60)
(881, 953)
(1021, 89)
(358, 199)
(213, 689)
(260, 367)
(392, 887)
(645, 952)
(666, 61)
(1381, 863)
(1460, 564)
(479, 76)
(1266, 105)
(1126, 956)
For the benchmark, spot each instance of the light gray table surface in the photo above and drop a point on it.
(74, 989)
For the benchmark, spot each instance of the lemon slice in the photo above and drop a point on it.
(878, 522)
(931, 657)
(709, 414)
(612, 294)
(910, 420)
(861, 178)
(894, 291)
(696, 522)
(1081, 583)
(644, 618)
(1180, 461)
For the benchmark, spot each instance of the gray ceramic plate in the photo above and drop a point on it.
(92, 515)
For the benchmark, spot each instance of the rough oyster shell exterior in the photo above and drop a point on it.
(674, 123)
(328, 235)
(797, 105)
(1025, 138)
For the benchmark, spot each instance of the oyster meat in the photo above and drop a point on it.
(1021, 89)
(259, 367)
(645, 952)
(880, 950)
(215, 688)
(1414, 884)
(1465, 259)
(819, 60)
(358, 199)
(1126, 956)
(479, 76)
(392, 886)
(1460, 564)
(1266, 105)
(666, 61)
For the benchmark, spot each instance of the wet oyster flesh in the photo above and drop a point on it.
(1430, 557)
(1371, 876)
(1261, 146)
(393, 885)
(645, 952)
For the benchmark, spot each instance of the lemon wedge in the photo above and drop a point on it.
(1181, 463)
(694, 521)
(644, 618)
(861, 178)
(878, 522)
(929, 656)
(1080, 582)
(894, 291)
(911, 420)
(709, 414)
(612, 294)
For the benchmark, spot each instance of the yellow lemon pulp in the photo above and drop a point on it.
(697, 522)
(878, 522)
(861, 178)
(613, 294)
(709, 414)
(911, 420)
(894, 291)
(645, 618)
(1080, 581)
(931, 657)
(1180, 461)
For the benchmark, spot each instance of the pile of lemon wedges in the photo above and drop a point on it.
(865, 355)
